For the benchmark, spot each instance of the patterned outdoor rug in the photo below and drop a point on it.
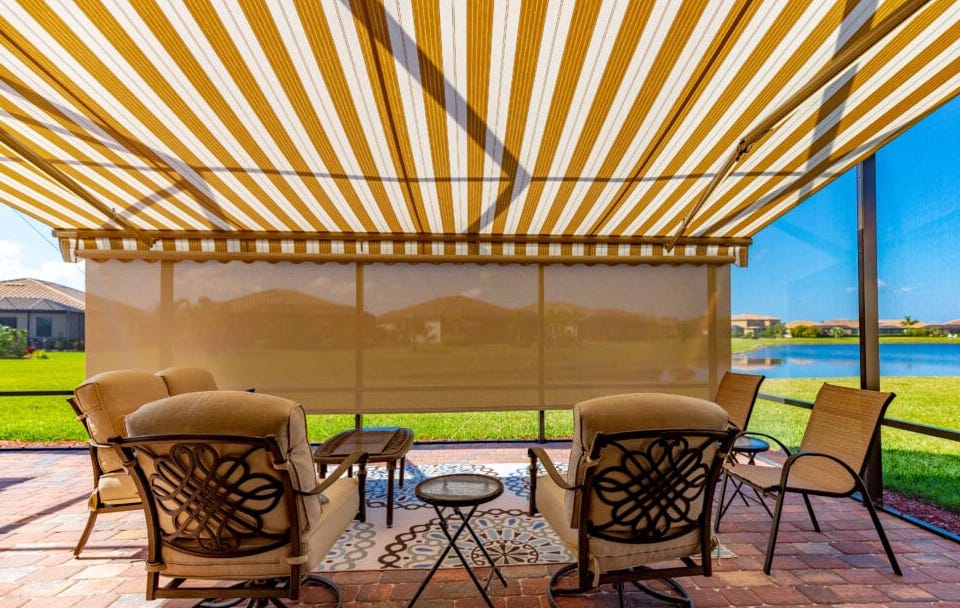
(507, 532)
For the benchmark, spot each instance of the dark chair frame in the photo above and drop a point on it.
(219, 532)
(781, 489)
(653, 492)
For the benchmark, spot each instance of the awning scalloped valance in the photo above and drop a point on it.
(293, 247)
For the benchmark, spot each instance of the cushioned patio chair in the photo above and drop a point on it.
(843, 425)
(635, 504)
(231, 495)
(101, 402)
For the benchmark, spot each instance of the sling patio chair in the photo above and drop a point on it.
(737, 395)
(843, 425)
(231, 496)
(636, 502)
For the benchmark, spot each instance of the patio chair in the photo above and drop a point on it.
(737, 394)
(635, 504)
(231, 496)
(100, 403)
(843, 425)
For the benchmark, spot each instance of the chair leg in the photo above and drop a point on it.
(813, 518)
(316, 579)
(774, 528)
(85, 535)
(876, 524)
(724, 479)
(682, 597)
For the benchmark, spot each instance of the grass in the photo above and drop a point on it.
(916, 465)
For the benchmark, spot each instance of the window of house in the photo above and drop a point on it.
(44, 327)
(10, 322)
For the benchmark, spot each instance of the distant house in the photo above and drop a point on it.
(849, 327)
(951, 328)
(52, 314)
(892, 327)
(750, 325)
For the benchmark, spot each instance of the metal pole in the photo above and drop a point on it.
(869, 315)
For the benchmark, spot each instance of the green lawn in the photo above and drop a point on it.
(913, 464)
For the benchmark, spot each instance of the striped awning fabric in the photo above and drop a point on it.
(476, 130)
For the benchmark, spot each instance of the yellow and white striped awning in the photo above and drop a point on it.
(450, 129)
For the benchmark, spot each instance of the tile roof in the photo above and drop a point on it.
(34, 294)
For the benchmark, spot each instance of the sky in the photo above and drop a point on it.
(801, 267)
(804, 265)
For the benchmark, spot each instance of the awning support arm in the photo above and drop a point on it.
(840, 62)
(70, 184)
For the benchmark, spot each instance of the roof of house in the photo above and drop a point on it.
(36, 295)
(752, 317)
(853, 323)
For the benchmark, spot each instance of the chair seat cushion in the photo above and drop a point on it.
(607, 555)
(342, 506)
(115, 489)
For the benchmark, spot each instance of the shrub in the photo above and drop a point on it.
(13, 342)
(805, 331)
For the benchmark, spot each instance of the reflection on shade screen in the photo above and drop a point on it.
(381, 337)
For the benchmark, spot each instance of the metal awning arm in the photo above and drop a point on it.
(840, 62)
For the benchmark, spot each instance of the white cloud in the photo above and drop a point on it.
(12, 266)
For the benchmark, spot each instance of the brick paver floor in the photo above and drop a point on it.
(43, 497)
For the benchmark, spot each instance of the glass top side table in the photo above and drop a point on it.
(459, 494)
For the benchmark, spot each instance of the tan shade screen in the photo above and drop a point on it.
(360, 338)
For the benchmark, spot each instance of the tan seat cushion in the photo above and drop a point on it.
(344, 503)
(608, 555)
(116, 488)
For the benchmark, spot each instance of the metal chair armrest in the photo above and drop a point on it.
(357, 457)
(540, 454)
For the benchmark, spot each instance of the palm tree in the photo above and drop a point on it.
(907, 323)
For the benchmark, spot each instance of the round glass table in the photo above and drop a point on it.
(459, 494)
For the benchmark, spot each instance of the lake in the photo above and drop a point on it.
(838, 360)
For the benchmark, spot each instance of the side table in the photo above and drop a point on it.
(451, 494)
(387, 445)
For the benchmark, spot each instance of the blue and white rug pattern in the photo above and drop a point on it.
(415, 540)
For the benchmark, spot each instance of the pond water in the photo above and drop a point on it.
(838, 360)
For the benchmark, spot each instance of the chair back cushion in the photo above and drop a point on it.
(737, 395)
(106, 398)
(187, 380)
(239, 413)
(630, 412)
(843, 423)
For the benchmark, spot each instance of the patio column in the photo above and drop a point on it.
(869, 316)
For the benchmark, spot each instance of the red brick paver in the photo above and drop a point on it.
(43, 509)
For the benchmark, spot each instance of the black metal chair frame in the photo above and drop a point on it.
(216, 510)
(648, 505)
(783, 489)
